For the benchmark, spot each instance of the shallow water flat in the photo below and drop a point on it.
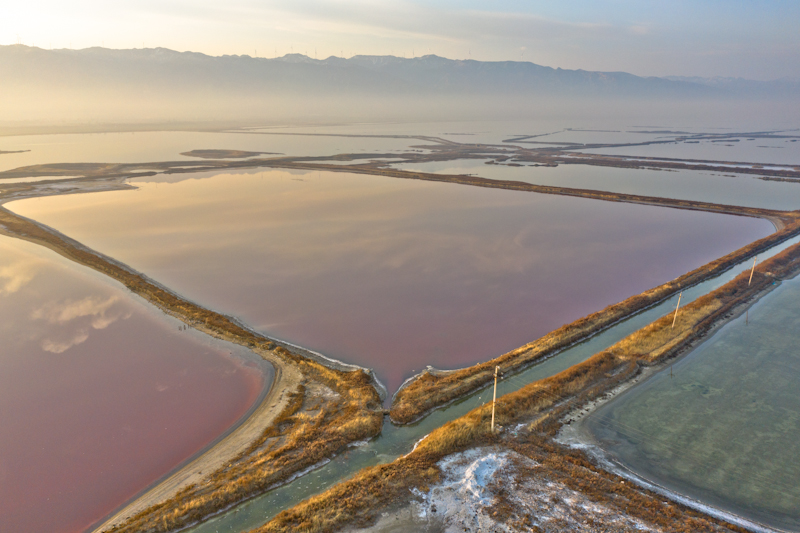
(776, 151)
(724, 427)
(154, 146)
(592, 136)
(100, 395)
(457, 131)
(387, 273)
(714, 187)
(560, 129)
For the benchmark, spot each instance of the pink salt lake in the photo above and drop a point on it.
(387, 273)
(100, 395)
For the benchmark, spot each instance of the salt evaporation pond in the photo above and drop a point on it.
(387, 273)
(724, 426)
(699, 186)
(100, 395)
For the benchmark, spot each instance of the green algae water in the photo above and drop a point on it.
(724, 426)
(395, 441)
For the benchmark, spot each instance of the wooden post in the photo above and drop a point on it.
(676, 309)
(494, 398)
(751, 271)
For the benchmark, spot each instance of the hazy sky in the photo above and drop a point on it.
(754, 39)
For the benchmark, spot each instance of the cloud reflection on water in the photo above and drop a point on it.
(77, 318)
(16, 275)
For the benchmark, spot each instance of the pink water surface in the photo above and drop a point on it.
(387, 273)
(99, 395)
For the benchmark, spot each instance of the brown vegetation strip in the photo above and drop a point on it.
(541, 405)
(308, 431)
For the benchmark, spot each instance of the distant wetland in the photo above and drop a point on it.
(717, 187)
(772, 150)
(135, 147)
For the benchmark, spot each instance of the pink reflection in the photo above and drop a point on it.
(99, 396)
(387, 273)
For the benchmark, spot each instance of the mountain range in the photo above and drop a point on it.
(98, 81)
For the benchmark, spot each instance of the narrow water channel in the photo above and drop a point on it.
(396, 441)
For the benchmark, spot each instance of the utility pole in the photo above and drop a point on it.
(752, 270)
(494, 397)
(676, 309)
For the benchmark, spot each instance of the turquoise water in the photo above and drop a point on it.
(395, 441)
(724, 426)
